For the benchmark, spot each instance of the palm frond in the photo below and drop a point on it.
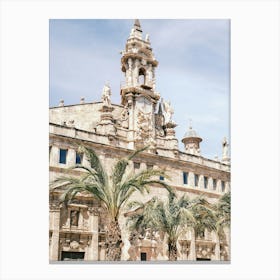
(96, 165)
(135, 153)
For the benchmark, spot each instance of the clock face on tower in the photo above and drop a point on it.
(144, 105)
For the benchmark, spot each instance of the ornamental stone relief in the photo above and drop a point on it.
(204, 251)
(144, 127)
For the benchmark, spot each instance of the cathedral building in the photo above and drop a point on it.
(77, 231)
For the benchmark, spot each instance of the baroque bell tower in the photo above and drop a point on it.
(138, 93)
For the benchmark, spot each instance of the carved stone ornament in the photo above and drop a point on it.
(124, 118)
(144, 125)
(74, 245)
(106, 95)
(168, 111)
(94, 210)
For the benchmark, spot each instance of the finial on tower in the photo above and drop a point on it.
(136, 31)
(137, 24)
(190, 123)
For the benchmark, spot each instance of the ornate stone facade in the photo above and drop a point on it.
(77, 231)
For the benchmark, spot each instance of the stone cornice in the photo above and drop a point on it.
(149, 157)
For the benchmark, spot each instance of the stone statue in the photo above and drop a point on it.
(132, 32)
(147, 39)
(168, 111)
(106, 95)
(225, 148)
(124, 117)
(74, 218)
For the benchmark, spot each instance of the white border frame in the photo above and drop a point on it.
(254, 137)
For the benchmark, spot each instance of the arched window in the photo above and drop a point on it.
(142, 76)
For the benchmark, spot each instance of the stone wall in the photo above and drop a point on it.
(68, 239)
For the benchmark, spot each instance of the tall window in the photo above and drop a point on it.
(196, 180)
(136, 165)
(214, 184)
(62, 156)
(223, 186)
(79, 158)
(185, 177)
(205, 182)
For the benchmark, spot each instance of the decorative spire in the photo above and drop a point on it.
(136, 31)
(137, 25)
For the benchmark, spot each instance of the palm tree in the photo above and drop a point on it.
(222, 219)
(171, 217)
(213, 217)
(113, 191)
(204, 218)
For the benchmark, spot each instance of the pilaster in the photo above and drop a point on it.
(93, 246)
(54, 156)
(55, 223)
(217, 247)
(191, 179)
(192, 253)
(71, 157)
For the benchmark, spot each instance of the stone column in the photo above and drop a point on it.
(80, 219)
(201, 182)
(210, 183)
(219, 185)
(228, 249)
(192, 253)
(71, 157)
(102, 251)
(191, 179)
(93, 246)
(55, 223)
(54, 156)
(85, 161)
(131, 117)
(143, 166)
(217, 247)
(227, 187)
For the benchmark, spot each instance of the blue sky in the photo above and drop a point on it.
(193, 71)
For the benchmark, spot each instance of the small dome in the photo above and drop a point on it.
(191, 134)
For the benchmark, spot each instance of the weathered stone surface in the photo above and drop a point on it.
(113, 131)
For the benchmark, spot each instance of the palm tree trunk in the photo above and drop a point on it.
(172, 249)
(113, 242)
